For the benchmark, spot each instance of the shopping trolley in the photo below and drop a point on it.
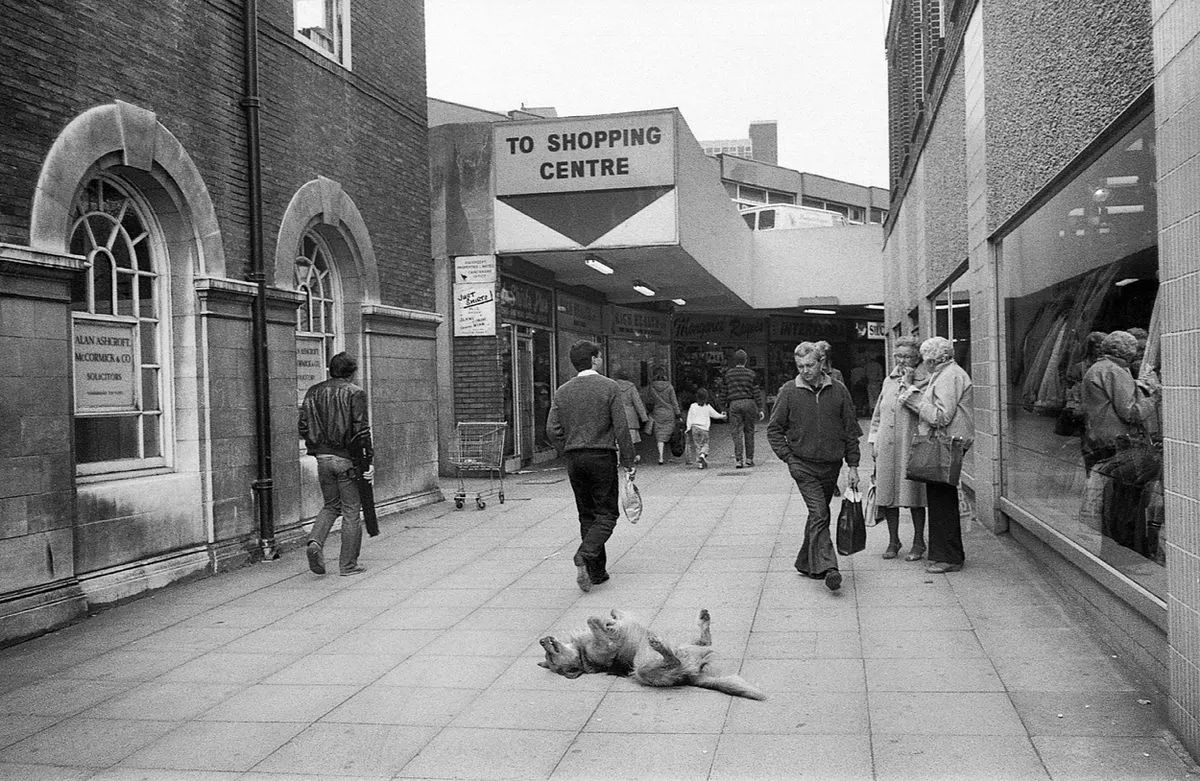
(479, 447)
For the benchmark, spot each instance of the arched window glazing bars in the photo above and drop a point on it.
(117, 331)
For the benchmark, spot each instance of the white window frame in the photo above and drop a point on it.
(128, 467)
(335, 43)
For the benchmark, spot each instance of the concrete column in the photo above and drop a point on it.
(1177, 118)
(38, 588)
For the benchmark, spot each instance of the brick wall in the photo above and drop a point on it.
(182, 59)
(478, 379)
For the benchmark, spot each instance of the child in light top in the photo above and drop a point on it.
(699, 418)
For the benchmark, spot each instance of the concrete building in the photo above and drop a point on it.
(618, 228)
(1043, 171)
(188, 230)
(762, 143)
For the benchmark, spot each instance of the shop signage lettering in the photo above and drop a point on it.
(475, 309)
(747, 329)
(585, 154)
(523, 301)
(697, 328)
(310, 363)
(807, 329)
(869, 330)
(106, 370)
(577, 314)
(635, 323)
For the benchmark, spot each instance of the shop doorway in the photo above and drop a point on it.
(525, 357)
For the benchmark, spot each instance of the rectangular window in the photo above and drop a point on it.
(878, 216)
(1081, 443)
(325, 26)
(778, 197)
(752, 194)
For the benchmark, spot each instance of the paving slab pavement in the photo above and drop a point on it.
(425, 667)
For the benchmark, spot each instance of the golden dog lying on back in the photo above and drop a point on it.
(618, 644)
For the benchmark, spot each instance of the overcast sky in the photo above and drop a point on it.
(815, 66)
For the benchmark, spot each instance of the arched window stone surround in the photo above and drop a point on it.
(323, 205)
(122, 134)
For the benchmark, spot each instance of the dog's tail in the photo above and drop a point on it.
(729, 684)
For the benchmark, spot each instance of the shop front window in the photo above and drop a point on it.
(1081, 444)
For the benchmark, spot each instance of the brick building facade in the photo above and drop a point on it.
(127, 227)
(1042, 170)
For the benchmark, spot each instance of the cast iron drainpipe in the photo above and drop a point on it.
(264, 498)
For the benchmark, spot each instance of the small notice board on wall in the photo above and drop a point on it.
(475, 295)
(106, 367)
(310, 363)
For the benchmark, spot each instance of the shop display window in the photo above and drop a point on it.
(1080, 435)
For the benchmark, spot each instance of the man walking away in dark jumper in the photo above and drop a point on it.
(587, 422)
(741, 404)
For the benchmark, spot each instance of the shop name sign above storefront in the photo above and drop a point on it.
(105, 366)
(719, 329)
(576, 314)
(635, 323)
(595, 153)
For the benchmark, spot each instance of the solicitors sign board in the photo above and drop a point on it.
(106, 368)
(617, 151)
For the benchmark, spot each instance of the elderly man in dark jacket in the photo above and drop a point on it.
(587, 422)
(333, 421)
(813, 428)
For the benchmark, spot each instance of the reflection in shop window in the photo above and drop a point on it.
(1081, 440)
(116, 325)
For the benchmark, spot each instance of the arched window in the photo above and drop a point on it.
(117, 330)
(317, 319)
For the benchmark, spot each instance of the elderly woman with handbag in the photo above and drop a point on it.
(891, 433)
(945, 430)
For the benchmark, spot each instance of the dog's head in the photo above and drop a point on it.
(562, 658)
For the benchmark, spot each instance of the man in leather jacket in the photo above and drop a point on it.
(333, 422)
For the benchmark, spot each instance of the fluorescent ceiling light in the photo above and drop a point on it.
(819, 312)
(875, 306)
(679, 301)
(1126, 281)
(643, 288)
(594, 262)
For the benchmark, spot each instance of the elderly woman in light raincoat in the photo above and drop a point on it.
(892, 429)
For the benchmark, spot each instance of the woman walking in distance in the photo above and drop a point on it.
(892, 427)
(943, 406)
(664, 410)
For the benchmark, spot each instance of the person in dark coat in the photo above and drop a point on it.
(332, 416)
(813, 429)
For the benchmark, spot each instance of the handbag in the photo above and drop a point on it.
(851, 526)
(648, 427)
(871, 505)
(935, 459)
(631, 498)
(677, 441)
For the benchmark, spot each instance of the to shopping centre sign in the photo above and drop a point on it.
(589, 153)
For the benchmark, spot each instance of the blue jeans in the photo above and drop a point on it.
(339, 488)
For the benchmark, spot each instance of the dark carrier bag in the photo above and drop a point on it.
(677, 442)
(851, 525)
